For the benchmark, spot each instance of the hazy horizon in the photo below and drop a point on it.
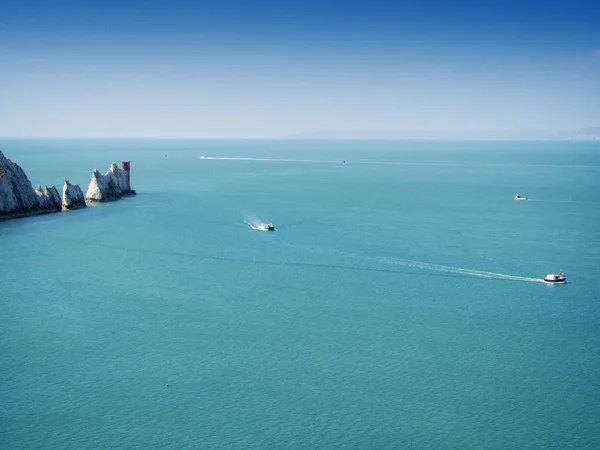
(235, 69)
(390, 135)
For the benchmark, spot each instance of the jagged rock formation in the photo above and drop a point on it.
(72, 197)
(113, 185)
(17, 196)
(48, 198)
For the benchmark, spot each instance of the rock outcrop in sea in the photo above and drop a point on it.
(19, 199)
(72, 197)
(48, 198)
(113, 185)
(17, 196)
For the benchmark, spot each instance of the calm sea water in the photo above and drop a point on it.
(398, 304)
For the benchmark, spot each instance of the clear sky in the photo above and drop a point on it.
(227, 68)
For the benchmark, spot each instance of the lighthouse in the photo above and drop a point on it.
(125, 167)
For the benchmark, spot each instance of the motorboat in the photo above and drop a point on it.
(203, 157)
(556, 279)
(518, 197)
(269, 227)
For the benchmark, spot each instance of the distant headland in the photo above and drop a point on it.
(19, 199)
(584, 134)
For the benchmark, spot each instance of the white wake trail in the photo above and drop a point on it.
(564, 201)
(271, 159)
(433, 267)
(256, 224)
(467, 272)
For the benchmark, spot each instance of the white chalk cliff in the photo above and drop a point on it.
(72, 197)
(48, 198)
(113, 185)
(17, 196)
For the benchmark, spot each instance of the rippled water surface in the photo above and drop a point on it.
(398, 304)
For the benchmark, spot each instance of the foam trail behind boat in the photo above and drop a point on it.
(256, 224)
(468, 272)
(429, 266)
(271, 159)
(564, 201)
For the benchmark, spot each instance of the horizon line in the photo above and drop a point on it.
(271, 138)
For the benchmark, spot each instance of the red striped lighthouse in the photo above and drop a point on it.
(125, 167)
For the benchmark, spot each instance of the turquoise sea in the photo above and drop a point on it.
(398, 304)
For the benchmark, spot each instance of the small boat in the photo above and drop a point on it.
(344, 162)
(203, 157)
(518, 197)
(556, 279)
(269, 227)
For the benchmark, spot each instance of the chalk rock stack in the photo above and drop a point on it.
(19, 199)
(48, 198)
(72, 197)
(113, 185)
(17, 196)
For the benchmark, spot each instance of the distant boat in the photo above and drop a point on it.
(518, 197)
(268, 227)
(344, 161)
(203, 157)
(556, 279)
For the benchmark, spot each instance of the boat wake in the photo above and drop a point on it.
(564, 201)
(257, 225)
(270, 159)
(466, 272)
(450, 270)
(442, 271)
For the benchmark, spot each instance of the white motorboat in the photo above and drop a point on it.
(556, 279)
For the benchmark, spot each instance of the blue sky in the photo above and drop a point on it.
(276, 68)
